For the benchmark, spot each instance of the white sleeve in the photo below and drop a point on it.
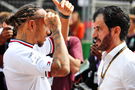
(47, 48)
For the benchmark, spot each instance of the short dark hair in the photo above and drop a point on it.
(22, 15)
(114, 16)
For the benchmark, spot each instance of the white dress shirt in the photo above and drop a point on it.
(121, 73)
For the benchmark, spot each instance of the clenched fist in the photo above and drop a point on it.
(6, 34)
(52, 21)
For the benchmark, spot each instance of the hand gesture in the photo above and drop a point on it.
(52, 21)
(96, 52)
(65, 7)
(6, 34)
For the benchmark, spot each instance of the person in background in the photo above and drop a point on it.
(24, 67)
(77, 28)
(89, 76)
(7, 32)
(75, 50)
(131, 34)
(5, 35)
(117, 67)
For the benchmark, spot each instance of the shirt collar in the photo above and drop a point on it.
(22, 42)
(112, 53)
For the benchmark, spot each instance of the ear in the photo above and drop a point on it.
(31, 25)
(116, 31)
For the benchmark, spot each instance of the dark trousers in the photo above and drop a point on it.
(2, 82)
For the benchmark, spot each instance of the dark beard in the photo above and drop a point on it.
(106, 43)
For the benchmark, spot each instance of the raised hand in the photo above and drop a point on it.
(96, 52)
(65, 7)
(6, 34)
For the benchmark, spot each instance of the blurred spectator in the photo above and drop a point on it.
(76, 26)
(5, 34)
(3, 17)
(131, 34)
(90, 75)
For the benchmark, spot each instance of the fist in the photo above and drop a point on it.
(96, 52)
(65, 7)
(7, 33)
(52, 21)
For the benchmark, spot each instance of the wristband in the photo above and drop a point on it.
(63, 16)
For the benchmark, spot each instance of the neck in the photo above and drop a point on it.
(25, 37)
(113, 46)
